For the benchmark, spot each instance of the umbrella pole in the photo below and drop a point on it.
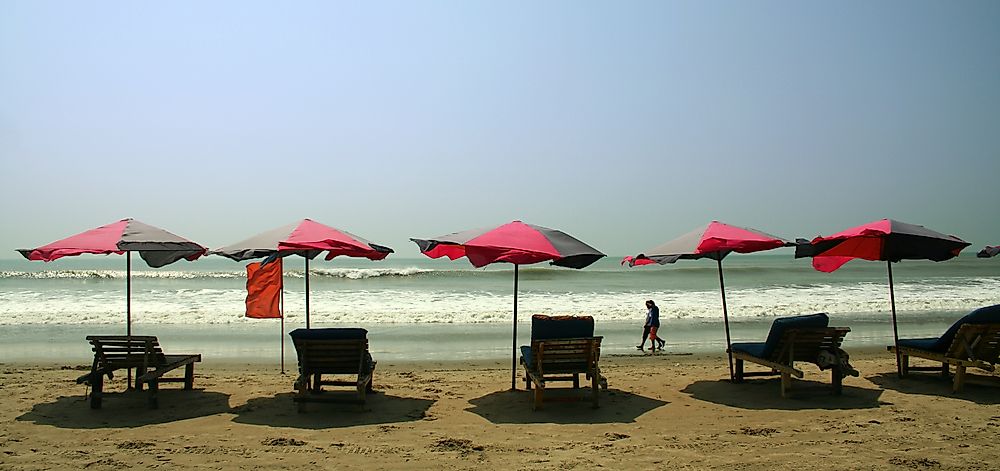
(895, 330)
(725, 318)
(128, 305)
(307, 293)
(281, 301)
(513, 354)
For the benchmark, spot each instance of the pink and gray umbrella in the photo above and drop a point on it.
(516, 243)
(989, 251)
(156, 246)
(885, 240)
(714, 240)
(306, 238)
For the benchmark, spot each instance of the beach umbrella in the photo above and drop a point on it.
(989, 251)
(306, 238)
(156, 246)
(516, 243)
(883, 240)
(714, 240)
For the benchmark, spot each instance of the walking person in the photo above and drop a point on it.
(650, 327)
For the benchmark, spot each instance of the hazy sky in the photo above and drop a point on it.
(622, 123)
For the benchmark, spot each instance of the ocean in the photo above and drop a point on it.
(422, 309)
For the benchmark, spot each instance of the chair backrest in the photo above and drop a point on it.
(561, 327)
(983, 315)
(332, 351)
(781, 324)
(804, 344)
(573, 355)
(123, 351)
(976, 342)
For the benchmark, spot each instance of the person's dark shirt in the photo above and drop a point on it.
(653, 317)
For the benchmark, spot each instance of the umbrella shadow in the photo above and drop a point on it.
(282, 411)
(980, 389)
(763, 394)
(514, 407)
(127, 409)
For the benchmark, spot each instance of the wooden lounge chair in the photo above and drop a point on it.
(332, 352)
(141, 352)
(562, 348)
(792, 339)
(972, 341)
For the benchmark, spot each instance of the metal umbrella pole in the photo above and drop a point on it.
(725, 318)
(513, 358)
(895, 330)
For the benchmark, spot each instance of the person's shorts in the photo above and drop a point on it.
(652, 331)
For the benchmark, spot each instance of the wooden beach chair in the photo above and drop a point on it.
(335, 351)
(562, 348)
(141, 352)
(972, 341)
(796, 339)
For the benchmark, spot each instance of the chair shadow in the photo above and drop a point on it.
(281, 411)
(514, 407)
(980, 389)
(127, 409)
(763, 394)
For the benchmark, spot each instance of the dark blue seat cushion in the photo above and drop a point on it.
(329, 334)
(983, 315)
(922, 344)
(561, 327)
(781, 324)
(752, 348)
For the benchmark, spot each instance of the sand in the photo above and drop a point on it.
(660, 412)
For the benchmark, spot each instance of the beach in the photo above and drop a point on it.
(661, 411)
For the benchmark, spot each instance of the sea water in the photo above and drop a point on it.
(421, 309)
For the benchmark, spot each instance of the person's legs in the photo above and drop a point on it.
(653, 339)
(645, 333)
(654, 332)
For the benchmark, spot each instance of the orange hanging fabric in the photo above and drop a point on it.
(264, 290)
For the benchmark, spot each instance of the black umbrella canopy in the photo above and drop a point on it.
(989, 251)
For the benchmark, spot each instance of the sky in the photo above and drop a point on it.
(624, 124)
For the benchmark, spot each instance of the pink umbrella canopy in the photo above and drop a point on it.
(884, 240)
(714, 240)
(308, 239)
(516, 243)
(156, 246)
(989, 251)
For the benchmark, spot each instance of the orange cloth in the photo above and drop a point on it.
(264, 290)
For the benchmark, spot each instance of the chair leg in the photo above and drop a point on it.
(959, 379)
(838, 381)
(944, 371)
(786, 384)
(904, 364)
(189, 376)
(595, 381)
(739, 371)
(97, 390)
(154, 387)
(138, 372)
(537, 403)
(576, 381)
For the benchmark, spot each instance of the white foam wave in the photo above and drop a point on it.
(220, 306)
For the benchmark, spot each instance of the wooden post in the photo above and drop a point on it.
(725, 318)
(895, 331)
(513, 358)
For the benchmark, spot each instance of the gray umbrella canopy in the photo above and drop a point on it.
(989, 251)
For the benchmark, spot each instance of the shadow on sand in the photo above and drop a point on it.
(980, 389)
(127, 409)
(281, 411)
(763, 394)
(514, 407)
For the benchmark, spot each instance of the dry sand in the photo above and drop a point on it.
(660, 412)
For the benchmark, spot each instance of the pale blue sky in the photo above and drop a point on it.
(622, 123)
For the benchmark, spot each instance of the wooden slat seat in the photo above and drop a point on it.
(794, 339)
(332, 352)
(974, 345)
(549, 360)
(141, 353)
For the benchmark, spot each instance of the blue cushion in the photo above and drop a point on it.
(752, 348)
(923, 344)
(526, 355)
(329, 334)
(983, 315)
(561, 327)
(781, 324)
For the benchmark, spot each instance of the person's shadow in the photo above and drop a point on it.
(127, 409)
(281, 411)
(514, 407)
